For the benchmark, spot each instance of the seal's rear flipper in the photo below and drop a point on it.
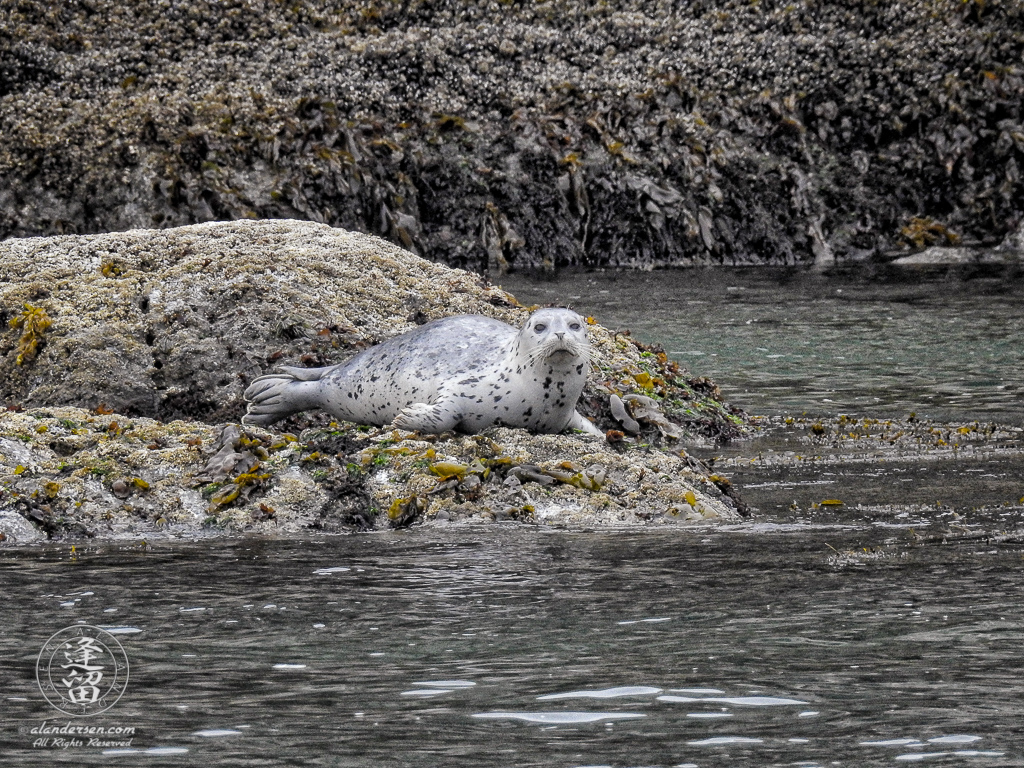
(278, 395)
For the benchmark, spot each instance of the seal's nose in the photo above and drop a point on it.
(560, 336)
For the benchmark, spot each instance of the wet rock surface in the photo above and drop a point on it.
(902, 472)
(68, 473)
(1009, 253)
(123, 358)
(524, 134)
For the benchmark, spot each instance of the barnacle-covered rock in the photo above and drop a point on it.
(66, 473)
(191, 315)
(550, 479)
(624, 133)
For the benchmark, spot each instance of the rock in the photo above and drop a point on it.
(68, 473)
(527, 134)
(945, 256)
(551, 479)
(1013, 244)
(175, 323)
(15, 529)
(937, 255)
(123, 421)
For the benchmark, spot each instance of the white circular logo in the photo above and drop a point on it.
(82, 670)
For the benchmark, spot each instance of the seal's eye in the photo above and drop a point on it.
(540, 327)
(574, 326)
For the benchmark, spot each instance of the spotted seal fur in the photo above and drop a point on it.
(464, 373)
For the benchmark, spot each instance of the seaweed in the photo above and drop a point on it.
(922, 231)
(33, 323)
(629, 146)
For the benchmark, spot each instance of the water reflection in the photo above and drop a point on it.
(607, 693)
(154, 751)
(955, 739)
(740, 701)
(559, 717)
(915, 756)
(214, 733)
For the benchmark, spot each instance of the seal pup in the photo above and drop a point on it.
(464, 373)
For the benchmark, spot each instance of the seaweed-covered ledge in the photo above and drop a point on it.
(123, 358)
(69, 473)
(615, 133)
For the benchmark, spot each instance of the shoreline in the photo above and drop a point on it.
(154, 335)
(526, 135)
(786, 456)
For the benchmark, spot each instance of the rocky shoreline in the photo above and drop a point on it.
(124, 357)
(69, 474)
(925, 483)
(511, 135)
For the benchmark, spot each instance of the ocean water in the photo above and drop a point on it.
(884, 633)
(941, 344)
(507, 646)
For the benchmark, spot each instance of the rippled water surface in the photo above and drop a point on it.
(784, 342)
(874, 638)
(505, 646)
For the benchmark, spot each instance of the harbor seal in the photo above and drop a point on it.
(463, 373)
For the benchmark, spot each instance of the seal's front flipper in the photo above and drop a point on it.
(440, 417)
(278, 395)
(583, 424)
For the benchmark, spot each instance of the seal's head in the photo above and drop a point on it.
(557, 336)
